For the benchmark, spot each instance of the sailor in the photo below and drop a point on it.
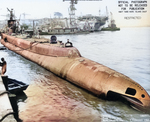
(3, 64)
(23, 30)
(19, 29)
(68, 44)
(38, 33)
(53, 40)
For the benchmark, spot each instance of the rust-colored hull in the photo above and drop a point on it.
(85, 73)
(41, 49)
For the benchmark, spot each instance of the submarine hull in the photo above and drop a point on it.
(90, 75)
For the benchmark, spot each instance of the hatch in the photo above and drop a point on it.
(130, 91)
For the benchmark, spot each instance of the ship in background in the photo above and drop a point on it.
(84, 24)
(110, 24)
(72, 25)
(92, 23)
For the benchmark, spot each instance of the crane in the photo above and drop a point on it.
(112, 21)
(72, 10)
(24, 14)
(12, 15)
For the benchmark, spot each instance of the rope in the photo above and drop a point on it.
(6, 116)
(7, 113)
(4, 93)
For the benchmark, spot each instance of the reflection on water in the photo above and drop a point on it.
(122, 51)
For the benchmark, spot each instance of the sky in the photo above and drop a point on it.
(37, 9)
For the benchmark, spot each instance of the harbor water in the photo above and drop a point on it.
(126, 51)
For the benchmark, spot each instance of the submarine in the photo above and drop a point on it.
(67, 63)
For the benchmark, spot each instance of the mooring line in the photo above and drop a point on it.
(4, 93)
(6, 116)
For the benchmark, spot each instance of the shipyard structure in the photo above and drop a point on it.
(73, 24)
(88, 23)
(58, 24)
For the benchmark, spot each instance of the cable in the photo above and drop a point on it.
(6, 116)
(4, 93)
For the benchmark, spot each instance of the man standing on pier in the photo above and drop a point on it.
(3, 64)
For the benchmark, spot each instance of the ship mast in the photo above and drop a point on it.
(11, 14)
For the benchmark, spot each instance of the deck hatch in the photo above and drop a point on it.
(130, 91)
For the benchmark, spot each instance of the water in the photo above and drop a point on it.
(126, 51)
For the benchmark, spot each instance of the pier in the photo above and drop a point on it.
(6, 110)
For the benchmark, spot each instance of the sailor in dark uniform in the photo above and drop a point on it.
(68, 44)
(53, 39)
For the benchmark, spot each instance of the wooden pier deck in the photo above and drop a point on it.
(5, 105)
